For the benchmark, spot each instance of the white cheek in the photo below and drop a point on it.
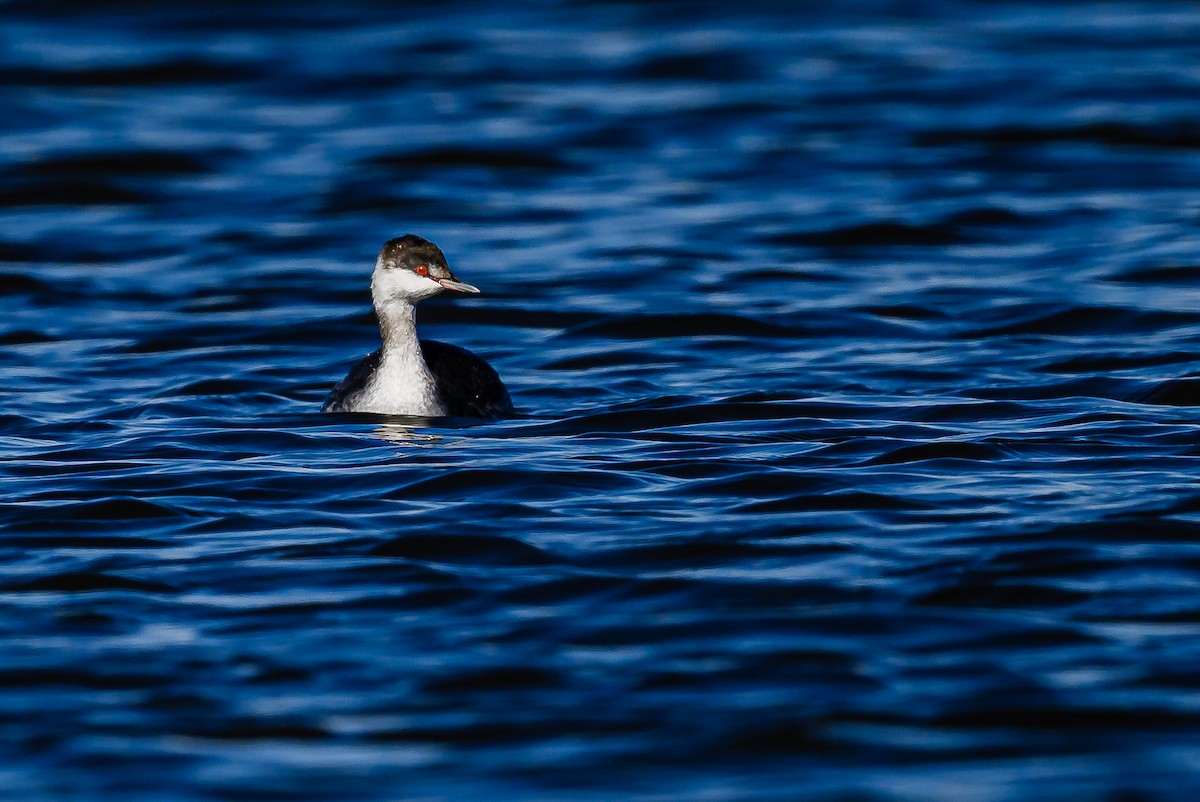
(393, 284)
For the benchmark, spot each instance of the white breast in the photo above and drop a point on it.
(401, 385)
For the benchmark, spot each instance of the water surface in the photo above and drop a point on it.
(857, 356)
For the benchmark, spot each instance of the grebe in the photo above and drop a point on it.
(410, 376)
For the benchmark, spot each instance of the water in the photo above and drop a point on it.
(857, 355)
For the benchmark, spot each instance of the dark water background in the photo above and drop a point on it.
(858, 357)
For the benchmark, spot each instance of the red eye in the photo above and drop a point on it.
(421, 270)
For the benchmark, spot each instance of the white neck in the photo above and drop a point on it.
(402, 384)
(398, 330)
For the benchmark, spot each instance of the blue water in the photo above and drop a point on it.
(857, 360)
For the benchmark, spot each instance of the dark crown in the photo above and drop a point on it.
(411, 250)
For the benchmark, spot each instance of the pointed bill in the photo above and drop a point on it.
(453, 284)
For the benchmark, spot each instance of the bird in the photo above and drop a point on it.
(411, 376)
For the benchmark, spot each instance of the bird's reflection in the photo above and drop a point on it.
(403, 434)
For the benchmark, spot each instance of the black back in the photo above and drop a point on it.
(468, 386)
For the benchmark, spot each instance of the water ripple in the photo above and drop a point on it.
(855, 355)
